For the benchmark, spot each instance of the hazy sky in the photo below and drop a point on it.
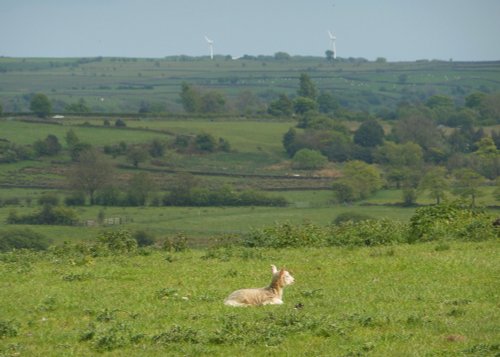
(395, 29)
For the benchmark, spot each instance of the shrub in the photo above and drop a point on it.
(307, 159)
(368, 232)
(283, 235)
(49, 199)
(56, 215)
(452, 220)
(351, 216)
(118, 241)
(22, 239)
(144, 238)
(76, 199)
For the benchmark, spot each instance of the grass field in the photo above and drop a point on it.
(121, 84)
(406, 300)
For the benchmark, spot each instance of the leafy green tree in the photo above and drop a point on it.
(307, 88)
(190, 98)
(212, 102)
(205, 142)
(398, 155)
(282, 56)
(362, 178)
(283, 106)
(1, 109)
(157, 148)
(306, 159)
(303, 105)
(136, 155)
(436, 183)
(289, 141)
(327, 103)
(77, 149)
(78, 107)
(329, 55)
(40, 105)
(369, 134)
(439, 101)
(487, 158)
(474, 100)
(71, 138)
(140, 188)
(420, 130)
(91, 173)
(50, 146)
(468, 183)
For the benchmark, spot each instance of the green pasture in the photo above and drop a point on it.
(408, 300)
(120, 85)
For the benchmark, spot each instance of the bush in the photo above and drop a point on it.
(307, 159)
(22, 239)
(76, 199)
(49, 199)
(351, 216)
(453, 220)
(283, 235)
(55, 215)
(118, 241)
(144, 238)
(368, 232)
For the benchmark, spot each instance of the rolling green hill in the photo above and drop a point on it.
(111, 85)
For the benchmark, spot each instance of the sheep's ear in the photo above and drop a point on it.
(282, 272)
(274, 269)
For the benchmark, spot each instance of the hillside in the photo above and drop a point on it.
(125, 85)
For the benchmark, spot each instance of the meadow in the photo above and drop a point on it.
(119, 85)
(438, 298)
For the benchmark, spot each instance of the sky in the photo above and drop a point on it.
(398, 30)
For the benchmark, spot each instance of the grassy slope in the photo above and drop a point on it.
(124, 84)
(425, 299)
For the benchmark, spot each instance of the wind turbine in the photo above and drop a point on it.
(332, 40)
(210, 46)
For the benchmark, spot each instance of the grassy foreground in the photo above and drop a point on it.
(406, 300)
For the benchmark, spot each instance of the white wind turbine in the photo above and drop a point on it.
(332, 40)
(210, 46)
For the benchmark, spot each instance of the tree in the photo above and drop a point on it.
(307, 88)
(437, 101)
(136, 155)
(327, 103)
(359, 180)
(205, 142)
(90, 174)
(1, 110)
(140, 188)
(157, 148)
(48, 147)
(468, 184)
(78, 107)
(420, 130)
(212, 102)
(282, 56)
(369, 134)
(329, 55)
(283, 106)
(40, 105)
(303, 105)
(474, 100)
(71, 138)
(436, 183)
(306, 159)
(289, 141)
(190, 98)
